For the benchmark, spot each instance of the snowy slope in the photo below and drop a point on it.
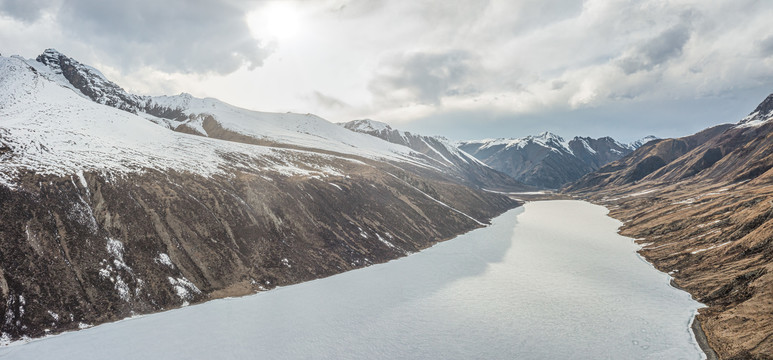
(436, 147)
(288, 129)
(302, 130)
(48, 128)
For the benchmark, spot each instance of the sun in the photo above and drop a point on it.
(278, 20)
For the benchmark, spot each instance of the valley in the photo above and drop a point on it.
(116, 205)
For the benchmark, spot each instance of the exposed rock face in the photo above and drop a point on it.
(443, 153)
(98, 88)
(701, 206)
(105, 214)
(84, 254)
(546, 161)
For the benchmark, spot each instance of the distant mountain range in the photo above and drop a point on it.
(547, 160)
(457, 163)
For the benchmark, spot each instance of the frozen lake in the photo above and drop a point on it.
(552, 280)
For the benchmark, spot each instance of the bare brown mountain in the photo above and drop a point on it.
(702, 207)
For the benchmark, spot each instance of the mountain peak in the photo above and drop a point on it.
(366, 125)
(86, 80)
(52, 58)
(638, 143)
(547, 135)
(52, 52)
(762, 114)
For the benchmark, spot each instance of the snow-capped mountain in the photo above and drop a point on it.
(442, 153)
(116, 204)
(211, 117)
(638, 143)
(546, 160)
(761, 115)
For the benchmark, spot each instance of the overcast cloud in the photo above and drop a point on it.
(455, 68)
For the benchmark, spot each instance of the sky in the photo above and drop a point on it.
(460, 69)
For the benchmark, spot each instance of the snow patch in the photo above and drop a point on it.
(709, 223)
(164, 259)
(122, 288)
(709, 248)
(115, 248)
(184, 289)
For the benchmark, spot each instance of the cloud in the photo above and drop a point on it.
(425, 77)
(404, 61)
(656, 51)
(328, 101)
(25, 10)
(766, 46)
(171, 35)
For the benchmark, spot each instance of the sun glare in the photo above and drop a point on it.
(278, 20)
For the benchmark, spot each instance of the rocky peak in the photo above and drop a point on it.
(638, 143)
(366, 125)
(52, 58)
(765, 108)
(547, 135)
(92, 83)
(760, 115)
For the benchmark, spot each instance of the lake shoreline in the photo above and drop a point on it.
(697, 330)
(703, 341)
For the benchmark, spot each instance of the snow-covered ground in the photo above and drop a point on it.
(51, 128)
(304, 130)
